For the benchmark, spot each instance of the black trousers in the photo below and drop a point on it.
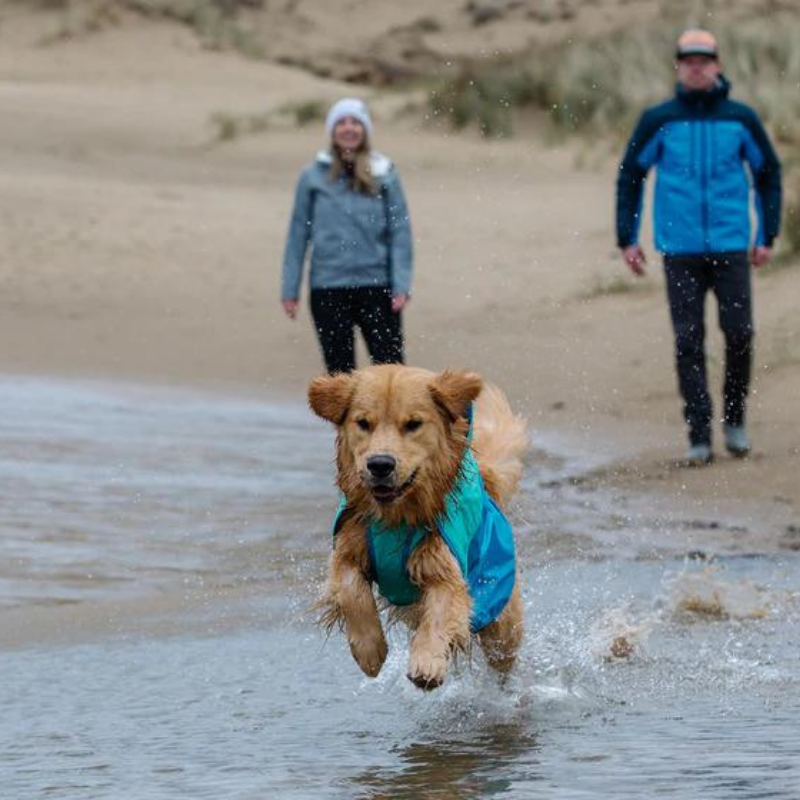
(689, 279)
(337, 312)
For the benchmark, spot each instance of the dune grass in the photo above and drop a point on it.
(791, 219)
(608, 286)
(216, 22)
(599, 86)
(228, 126)
(304, 112)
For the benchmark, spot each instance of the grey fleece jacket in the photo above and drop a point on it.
(356, 239)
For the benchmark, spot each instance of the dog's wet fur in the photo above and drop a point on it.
(401, 437)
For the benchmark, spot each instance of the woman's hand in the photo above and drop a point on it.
(290, 307)
(399, 302)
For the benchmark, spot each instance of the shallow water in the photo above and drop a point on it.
(116, 493)
(119, 491)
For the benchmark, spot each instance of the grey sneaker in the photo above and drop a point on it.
(698, 455)
(736, 441)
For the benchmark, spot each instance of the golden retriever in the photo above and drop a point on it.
(404, 438)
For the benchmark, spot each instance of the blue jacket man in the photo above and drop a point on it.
(709, 151)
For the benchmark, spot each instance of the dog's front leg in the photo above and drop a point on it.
(445, 609)
(349, 599)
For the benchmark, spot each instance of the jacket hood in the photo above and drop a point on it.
(380, 165)
(693, 97)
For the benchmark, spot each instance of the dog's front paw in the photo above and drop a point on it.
(427, 672)
(369, 654)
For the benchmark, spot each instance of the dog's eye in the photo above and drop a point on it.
(363, 424)
(412, 425)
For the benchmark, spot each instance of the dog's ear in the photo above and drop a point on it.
(329, 396)
(454, 391)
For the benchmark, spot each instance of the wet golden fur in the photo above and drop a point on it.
(416, 417)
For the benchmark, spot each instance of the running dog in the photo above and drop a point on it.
(425, 464)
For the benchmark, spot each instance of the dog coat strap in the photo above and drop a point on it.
(343, 513)
(340, 517)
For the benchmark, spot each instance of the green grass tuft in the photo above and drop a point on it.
(305, 112)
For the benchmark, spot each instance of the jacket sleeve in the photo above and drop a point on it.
(640, 154)
(401, 247)
(297, 239)
(766, 171)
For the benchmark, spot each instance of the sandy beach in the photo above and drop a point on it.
(135, 245)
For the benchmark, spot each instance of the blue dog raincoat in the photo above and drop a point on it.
(475, 530)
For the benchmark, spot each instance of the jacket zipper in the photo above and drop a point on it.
(712, 142)
(704, 146)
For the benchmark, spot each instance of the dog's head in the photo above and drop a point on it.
(401, 436)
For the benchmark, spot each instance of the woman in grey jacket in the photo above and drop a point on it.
(349, 206)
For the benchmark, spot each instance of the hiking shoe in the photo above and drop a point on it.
(736, 441)
(698, 455)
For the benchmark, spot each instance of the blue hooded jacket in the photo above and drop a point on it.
(477, 534)
(700, 142)
(356, 239)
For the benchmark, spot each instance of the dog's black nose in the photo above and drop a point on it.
(381, 466)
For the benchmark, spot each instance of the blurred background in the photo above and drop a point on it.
(165, 495)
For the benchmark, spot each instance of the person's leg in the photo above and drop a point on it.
(332, 311)
(381, 327)
(687, 284)
(732, 286)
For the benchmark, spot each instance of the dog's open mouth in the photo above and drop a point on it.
(387, 494)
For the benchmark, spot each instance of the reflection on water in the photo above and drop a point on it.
(476, 766)
(119, 491)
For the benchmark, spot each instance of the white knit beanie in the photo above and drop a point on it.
(348, 107)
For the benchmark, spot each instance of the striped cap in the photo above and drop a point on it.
(696, 42)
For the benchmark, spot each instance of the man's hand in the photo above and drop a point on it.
(399, 302)
(290, 307)
(635, 259)
(760, 255)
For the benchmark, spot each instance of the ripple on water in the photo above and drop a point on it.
(158, 481)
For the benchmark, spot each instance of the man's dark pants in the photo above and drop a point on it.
(337, 312)
(689, 278)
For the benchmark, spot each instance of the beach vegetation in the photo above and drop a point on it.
(617, 284)
(599, 86)
(790, 236)
(304, 112)
(229, 126)
(219, 24)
